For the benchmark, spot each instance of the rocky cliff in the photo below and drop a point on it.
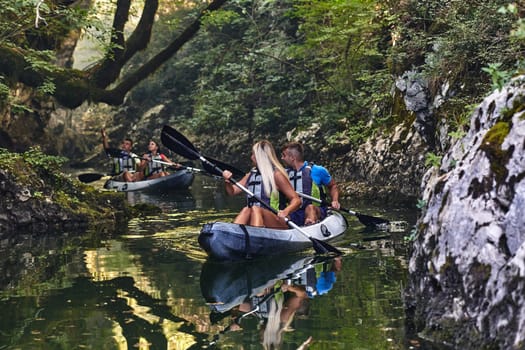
(467, 286)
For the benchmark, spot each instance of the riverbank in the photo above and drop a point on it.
(35, 196)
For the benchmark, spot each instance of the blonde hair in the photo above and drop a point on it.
(272, 335)
(267, 163)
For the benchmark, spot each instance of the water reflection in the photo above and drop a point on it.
(153, 288)
(271, 291)
(168, 200)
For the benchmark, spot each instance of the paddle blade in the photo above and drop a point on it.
(321, 247)
(214, 170)
(90, 177)
(178, 143)
(368, 220)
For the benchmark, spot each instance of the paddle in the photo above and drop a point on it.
(176, 142)
(366, 220)
(179, 144)
(90, 177)
(212, 170)
(197, 170)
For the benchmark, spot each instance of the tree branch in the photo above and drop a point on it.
(73, 87)
(116, 95)
(121, 50)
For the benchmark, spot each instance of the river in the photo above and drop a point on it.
(151, 286)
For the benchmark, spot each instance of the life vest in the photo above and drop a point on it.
(154, 167)
(302, 182)
(126, 162)
(256, 186)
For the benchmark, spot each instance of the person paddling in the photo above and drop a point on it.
(310, 179)
(125, 163)
(150, 166)
(265, 180)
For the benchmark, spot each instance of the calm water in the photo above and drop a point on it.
(153, 288)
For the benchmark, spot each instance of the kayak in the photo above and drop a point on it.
(181, 179)
(228, 241)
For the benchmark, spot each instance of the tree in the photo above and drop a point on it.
(24, 50)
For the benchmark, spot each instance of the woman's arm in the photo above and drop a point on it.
(167, 160)
(231, 189)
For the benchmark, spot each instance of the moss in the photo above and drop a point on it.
(491, 145)
(448, 265)
(480, 272)
(518, 105)
(55, 198)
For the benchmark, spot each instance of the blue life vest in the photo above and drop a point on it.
(302, 182)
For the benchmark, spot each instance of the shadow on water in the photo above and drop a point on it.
(153, 287)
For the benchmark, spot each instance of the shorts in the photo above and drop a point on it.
(120, 177)
(298, 216)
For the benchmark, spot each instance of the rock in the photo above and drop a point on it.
(467, 264)
(33, 204)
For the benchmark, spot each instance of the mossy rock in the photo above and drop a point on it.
(491, 145)
(36, 195)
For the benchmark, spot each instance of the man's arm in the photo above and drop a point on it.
(334, 194)
(104, 138)
(322, 177)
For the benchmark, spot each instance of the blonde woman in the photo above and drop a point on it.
(265, 181)
(281, 312)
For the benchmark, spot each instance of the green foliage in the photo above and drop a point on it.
(433, 160)
(37, 38)
(264, 68)
(17, 108)
(4, 92)
(273, 67)
(451, 41)
(499, 77)
(518, 31)
(245, 82)
(48, 87)
(28, 167)
(51, 164)
(7, 159)
(220, 19)
(421, 204)
(343, 45)
(412, 237)
(457, 134)
(459, 120)
(41, 60)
